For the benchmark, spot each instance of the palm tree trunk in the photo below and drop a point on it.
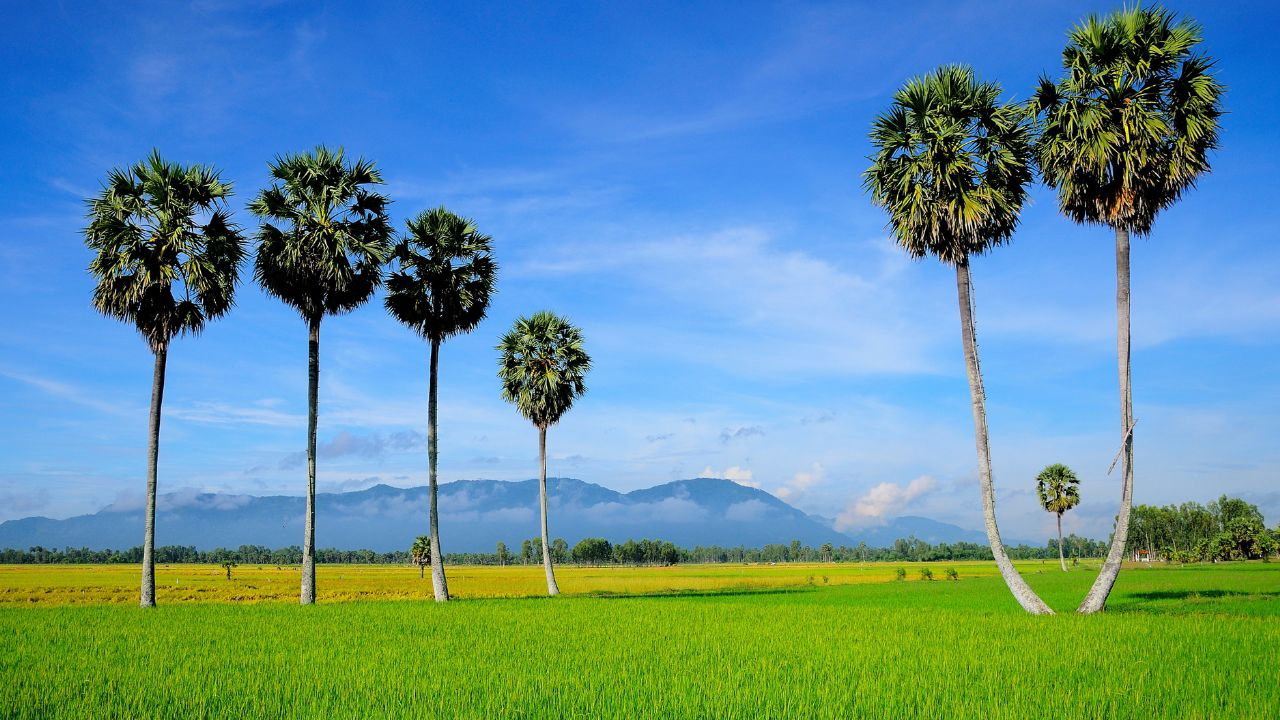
(438, 583)
(308, 596)
(1022, 592)
(552, 588)
(1096, 600)
(1061, 560)
(148, 595)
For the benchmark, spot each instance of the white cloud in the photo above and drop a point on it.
(740, 475)
(801, 482)
(881, 501)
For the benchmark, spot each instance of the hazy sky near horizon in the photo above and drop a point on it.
(684, 183)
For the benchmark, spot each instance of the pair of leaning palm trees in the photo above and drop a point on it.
(168, 257)
(1120, 136)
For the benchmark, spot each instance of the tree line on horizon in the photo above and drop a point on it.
(1120, 136)
(587, 552)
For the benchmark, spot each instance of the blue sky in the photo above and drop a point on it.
(681, 181)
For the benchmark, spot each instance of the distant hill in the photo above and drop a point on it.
(474, 516)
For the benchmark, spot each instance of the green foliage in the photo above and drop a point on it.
(325, 234)
(167, 256)
(1058, 488)
(543, 367)
(953, 574)
(1130, 124)
(926, 573)
(593, 551)
(1228, 529)
(445, 275)
(900, 574)
(420, 551)
(951, 165)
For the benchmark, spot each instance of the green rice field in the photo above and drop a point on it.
(1201, 641)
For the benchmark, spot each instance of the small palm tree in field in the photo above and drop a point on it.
(542, 367)
(951, 168)
(441, 289)
(167, 258)
(1124, 133)
(1059, 490)
(323, 240)
(420, 553)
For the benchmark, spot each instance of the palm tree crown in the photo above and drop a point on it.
(951, 165)
(1130, 124)
(156, 225)
(1058, 488)
(325, 235)
(542, 367)
(445, 278)
(420, 552)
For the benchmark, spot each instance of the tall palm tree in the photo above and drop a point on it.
(1059, 490)
(420, 552)
(442, 288)
(542, 367)
(1125, 131)
(167, 260)
(323, 240)
(951, 168)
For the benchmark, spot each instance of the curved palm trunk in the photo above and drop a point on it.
(148, 595)
(1022, 592)
(438, 583)
(1096, 600)
(308, 596)
(552, 588)
(1061, 559)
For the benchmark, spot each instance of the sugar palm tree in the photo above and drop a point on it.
(323, 240)
(441, 289)
(542, 367)
(951, 168)
(1059, 490)
(1125, 131)
(421, 553)
(167, 258)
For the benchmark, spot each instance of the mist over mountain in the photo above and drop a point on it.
(474, 516)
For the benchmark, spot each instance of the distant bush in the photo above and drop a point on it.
(902, 573)
(952, 574)
(926, 573)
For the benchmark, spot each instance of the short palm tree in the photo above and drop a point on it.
(542, 367)
(951, 169)
(323, 240)
(442, 288)
(420, 553)
(1059, 490)
(1125, 131)
(167, 260)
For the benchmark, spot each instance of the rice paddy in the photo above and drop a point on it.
(696, 641)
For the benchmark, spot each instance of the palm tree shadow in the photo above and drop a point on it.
(1184, 601)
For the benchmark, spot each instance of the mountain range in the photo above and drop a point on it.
(474, 516)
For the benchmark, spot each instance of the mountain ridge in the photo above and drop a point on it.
(474, 514)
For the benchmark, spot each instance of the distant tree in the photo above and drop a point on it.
(543, 368)
(826, 552)
(951, 168)
(156, 225)
(795, 552)
(503, 556)
(323, 240)
(1124, 133)
(1059, 490)
(420, 552)
(441, 288)
(559, 550)
(526, 552)
(227, 566)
